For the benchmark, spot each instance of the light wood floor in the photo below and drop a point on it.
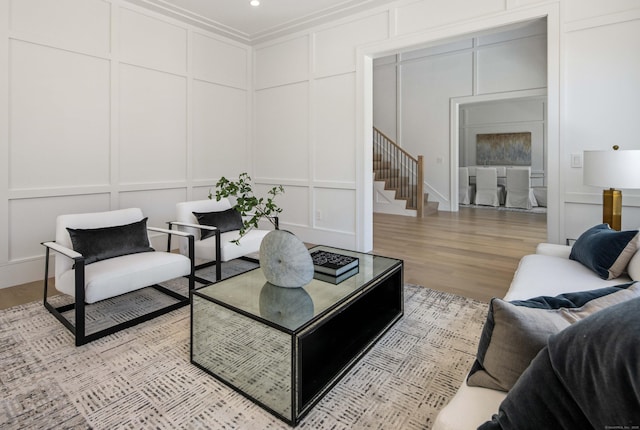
(472, 253)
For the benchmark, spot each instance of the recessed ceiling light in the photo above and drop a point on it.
(254, 2)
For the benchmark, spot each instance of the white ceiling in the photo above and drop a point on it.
(241, 21)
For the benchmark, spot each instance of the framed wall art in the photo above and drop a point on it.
(510, 149)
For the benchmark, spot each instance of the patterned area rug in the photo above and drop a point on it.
(141, 378)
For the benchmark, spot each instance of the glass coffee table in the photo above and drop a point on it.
(285, 348)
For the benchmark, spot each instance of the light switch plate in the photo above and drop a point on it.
(576, 160)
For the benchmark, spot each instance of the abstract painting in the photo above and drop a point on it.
(510, 149)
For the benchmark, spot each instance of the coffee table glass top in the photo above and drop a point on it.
(292, 308)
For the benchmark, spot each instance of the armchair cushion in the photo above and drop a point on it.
(605, 251)
(97, 244)
(516, 331)
(227, 220)
(120, 275)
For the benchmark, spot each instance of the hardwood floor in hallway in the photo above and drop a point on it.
(472, 253)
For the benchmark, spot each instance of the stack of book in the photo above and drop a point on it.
(332, 267)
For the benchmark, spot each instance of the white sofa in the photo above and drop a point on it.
(548, 272)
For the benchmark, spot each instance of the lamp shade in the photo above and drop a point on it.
(612, 169)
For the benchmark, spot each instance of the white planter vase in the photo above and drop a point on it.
(285, 260)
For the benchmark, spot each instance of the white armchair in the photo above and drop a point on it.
(215, 232)
(106, 254)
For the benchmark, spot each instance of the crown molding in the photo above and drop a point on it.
(341, 10)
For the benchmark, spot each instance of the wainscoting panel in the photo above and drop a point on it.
(153, 129)
(334, 125)
(419, 15)
(82, 25)
(26, 235)
(281, 148)
(335, 209)
(283, 63)
(497, 72)
(334, 49)
(150, 42)
(294, 203)
(220, 136)
(59, 122)
(584, 9)
(207, 52)
(158, 205)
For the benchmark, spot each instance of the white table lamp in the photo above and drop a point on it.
(613, 169)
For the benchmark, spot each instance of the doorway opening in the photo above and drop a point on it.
(475, 51)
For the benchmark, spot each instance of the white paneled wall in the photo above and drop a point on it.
(517, 65)
(426, 14)
(427, 86)
(601, 103)
(556, 55)
(333, 56)
(153, 121)
(425, 80)
(219, 138)
(305, 122)
(51, 88)
(508, 116)
(77, 25)
(385, 112)
(282, 132)
(282, 64)
(111, 106)
(335, 131)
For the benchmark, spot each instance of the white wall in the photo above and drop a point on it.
(316, 84)
(305, 126)
(110, 106)
(507, 116)
(592, 55)
(600, 91)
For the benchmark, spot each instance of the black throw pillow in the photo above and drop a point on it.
(228, 220)
(97, 244)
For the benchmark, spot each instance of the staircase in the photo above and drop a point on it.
(398, 180)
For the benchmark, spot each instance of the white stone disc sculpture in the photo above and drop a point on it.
(284, 260)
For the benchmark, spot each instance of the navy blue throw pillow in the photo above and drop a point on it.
(605, 251)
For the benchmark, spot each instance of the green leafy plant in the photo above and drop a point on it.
(251, 208)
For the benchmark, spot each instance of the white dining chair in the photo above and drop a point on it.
(519, 191)
(488, 192)
(466, 191)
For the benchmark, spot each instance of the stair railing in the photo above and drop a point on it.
(406, 171)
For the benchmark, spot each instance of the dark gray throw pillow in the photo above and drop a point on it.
(605, 251)
(97, 244)
(585, 378)
(228, 220)
(516, 331)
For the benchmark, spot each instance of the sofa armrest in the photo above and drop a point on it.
(553, 250)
